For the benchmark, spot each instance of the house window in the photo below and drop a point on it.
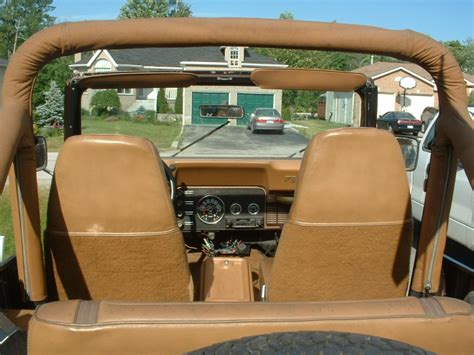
(171, 93)
(123, 91)
(234, 57)
(102, 66)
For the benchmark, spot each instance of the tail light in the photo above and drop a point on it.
(278, 120)
(261, 120)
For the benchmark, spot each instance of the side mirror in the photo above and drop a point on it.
(409, 147)
(41, 148)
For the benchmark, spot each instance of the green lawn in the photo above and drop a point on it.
(315, 126)
(161, 134)
(6, 227)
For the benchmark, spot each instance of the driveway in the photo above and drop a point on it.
(236, 141)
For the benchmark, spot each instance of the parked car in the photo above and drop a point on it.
(399, 122)
(265, 119)
(459, 253)
(427, 116)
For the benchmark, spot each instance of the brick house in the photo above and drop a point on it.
(345, 107)
(215, 59)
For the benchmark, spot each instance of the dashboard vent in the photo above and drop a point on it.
(277, 213)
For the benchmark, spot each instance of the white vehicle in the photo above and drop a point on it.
(459, 253)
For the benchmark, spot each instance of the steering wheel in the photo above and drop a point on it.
(171, 182)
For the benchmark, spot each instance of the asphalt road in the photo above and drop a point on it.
(237, 141)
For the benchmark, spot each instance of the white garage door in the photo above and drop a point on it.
(385, 102)
(415, 104)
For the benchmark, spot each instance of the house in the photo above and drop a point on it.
(3, 68)
(345, 107)
(206, 59)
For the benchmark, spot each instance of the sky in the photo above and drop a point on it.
(441, 19)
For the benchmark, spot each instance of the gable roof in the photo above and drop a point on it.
(383, 68)
(380, 69)
(173, 56)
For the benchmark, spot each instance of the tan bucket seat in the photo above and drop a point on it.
(349, 230)
(112, 230)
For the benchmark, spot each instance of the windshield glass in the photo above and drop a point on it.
(267, 112)
(276, 122)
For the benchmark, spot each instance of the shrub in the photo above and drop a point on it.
(178, 104)
(150, 116)
(85, 113)
(286, 113)
(105, 102)
(162, 102)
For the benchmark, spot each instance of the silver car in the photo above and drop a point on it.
(267, 119)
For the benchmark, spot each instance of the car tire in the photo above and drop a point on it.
(311, 343)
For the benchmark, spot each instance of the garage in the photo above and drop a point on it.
(415, 104)
(385, 103)
(207, 98)
(250, 102)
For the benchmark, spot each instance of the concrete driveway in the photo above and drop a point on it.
(236, 141)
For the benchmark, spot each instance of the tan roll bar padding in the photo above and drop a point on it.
(455, 124)
(308, 79)
(137, 80)
(455, 127)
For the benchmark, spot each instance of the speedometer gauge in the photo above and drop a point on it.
(210, 209)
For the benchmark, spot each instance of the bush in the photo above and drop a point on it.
(85, 113)
(162, 102)
(178, 104)
(105, 102)
(286, 113)
(150, 116)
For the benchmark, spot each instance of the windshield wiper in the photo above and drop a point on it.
(298, 152)
(200, 138)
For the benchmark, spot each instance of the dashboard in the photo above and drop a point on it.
(200, 209)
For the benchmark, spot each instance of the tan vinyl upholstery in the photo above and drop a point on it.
(112, 230)
(349, 230)
(441, 325)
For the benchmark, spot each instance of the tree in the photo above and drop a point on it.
(56, 70)
(162, 102)
(19, 19)
(464, 54)
(287, 15)
(178, 104)
(105, 102)
(154, 9)
(52, 111)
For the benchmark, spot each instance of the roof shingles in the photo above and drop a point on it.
(173, 56)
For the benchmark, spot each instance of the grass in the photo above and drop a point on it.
(6, 225)
(161, 134)
(315, 126)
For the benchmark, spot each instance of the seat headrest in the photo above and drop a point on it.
(351, 176)
(109, 184)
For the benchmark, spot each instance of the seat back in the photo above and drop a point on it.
(111, 231)
(349, 230)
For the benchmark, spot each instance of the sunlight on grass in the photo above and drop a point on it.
(312, 127)
(161, 134)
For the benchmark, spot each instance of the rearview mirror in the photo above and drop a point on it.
(41, 148)
(221, 111)
(409, 147)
